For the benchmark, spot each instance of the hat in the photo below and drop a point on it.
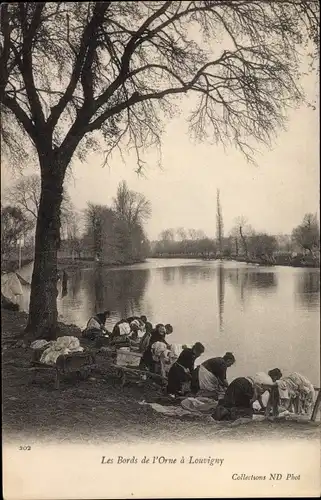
(135, 322)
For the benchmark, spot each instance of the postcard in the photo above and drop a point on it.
(160, 263)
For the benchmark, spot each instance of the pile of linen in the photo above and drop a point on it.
(54, 349)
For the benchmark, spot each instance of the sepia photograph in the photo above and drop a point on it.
(160, 249)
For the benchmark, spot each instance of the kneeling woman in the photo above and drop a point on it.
(96, 326)
(180, 373)
(240, 396)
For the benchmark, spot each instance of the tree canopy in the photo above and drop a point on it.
(307, 234)
(72, 70)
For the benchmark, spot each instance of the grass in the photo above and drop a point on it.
(99, 409)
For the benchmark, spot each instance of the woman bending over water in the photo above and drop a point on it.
(241, 394)
(96, 326)
(210, 376)
(295, 393)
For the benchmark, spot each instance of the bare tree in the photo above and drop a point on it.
(72, 236)
(307, 234)
(242, 229)
(14, 226)
(25, 194)
(234, 235)
(73, 73)
(131, 206)
(167, 235)
(192, 233)
(200, 234)
(181, 233)
(94, 227)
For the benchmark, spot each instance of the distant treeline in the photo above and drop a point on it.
(245, 244)
(115, 234)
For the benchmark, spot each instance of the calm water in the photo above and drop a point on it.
(268, 317)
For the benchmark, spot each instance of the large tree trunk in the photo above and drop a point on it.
(43, 313)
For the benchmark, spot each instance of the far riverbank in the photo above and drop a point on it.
(68, 264)
(301, 262)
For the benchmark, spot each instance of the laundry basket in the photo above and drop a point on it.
(128, 358)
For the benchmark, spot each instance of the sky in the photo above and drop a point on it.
(273, 195)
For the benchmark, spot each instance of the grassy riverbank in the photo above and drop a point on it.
(100, 409)
(67, 264)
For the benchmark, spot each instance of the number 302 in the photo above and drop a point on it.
(24, 448)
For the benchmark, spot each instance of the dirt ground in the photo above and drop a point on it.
(100, 409)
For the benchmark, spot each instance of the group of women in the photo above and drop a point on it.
(241, 398)
(262, 392)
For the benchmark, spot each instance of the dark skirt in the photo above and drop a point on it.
(195, 386)
(176, 378)
(237, 401)
(92, 333)
(147, 363)
(239, 393)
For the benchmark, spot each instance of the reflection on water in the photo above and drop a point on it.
(121, 291)
(169, 274)
(308, 288)
(267, 317)
(64, 287)
(100, 289)
(75, 283)
(252, 280)
(221, 294)
(248, 281)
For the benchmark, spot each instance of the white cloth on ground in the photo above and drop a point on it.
(199, 404)
(179, 411)
(176, 411)
(62, 346)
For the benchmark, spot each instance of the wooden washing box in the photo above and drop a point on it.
(66, 363)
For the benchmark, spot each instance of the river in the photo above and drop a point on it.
(267, 316)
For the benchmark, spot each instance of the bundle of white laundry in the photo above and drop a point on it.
(54, 349)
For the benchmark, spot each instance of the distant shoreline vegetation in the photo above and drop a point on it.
(114, 236)
(302, 261)
(244, 244)
(299, 261)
